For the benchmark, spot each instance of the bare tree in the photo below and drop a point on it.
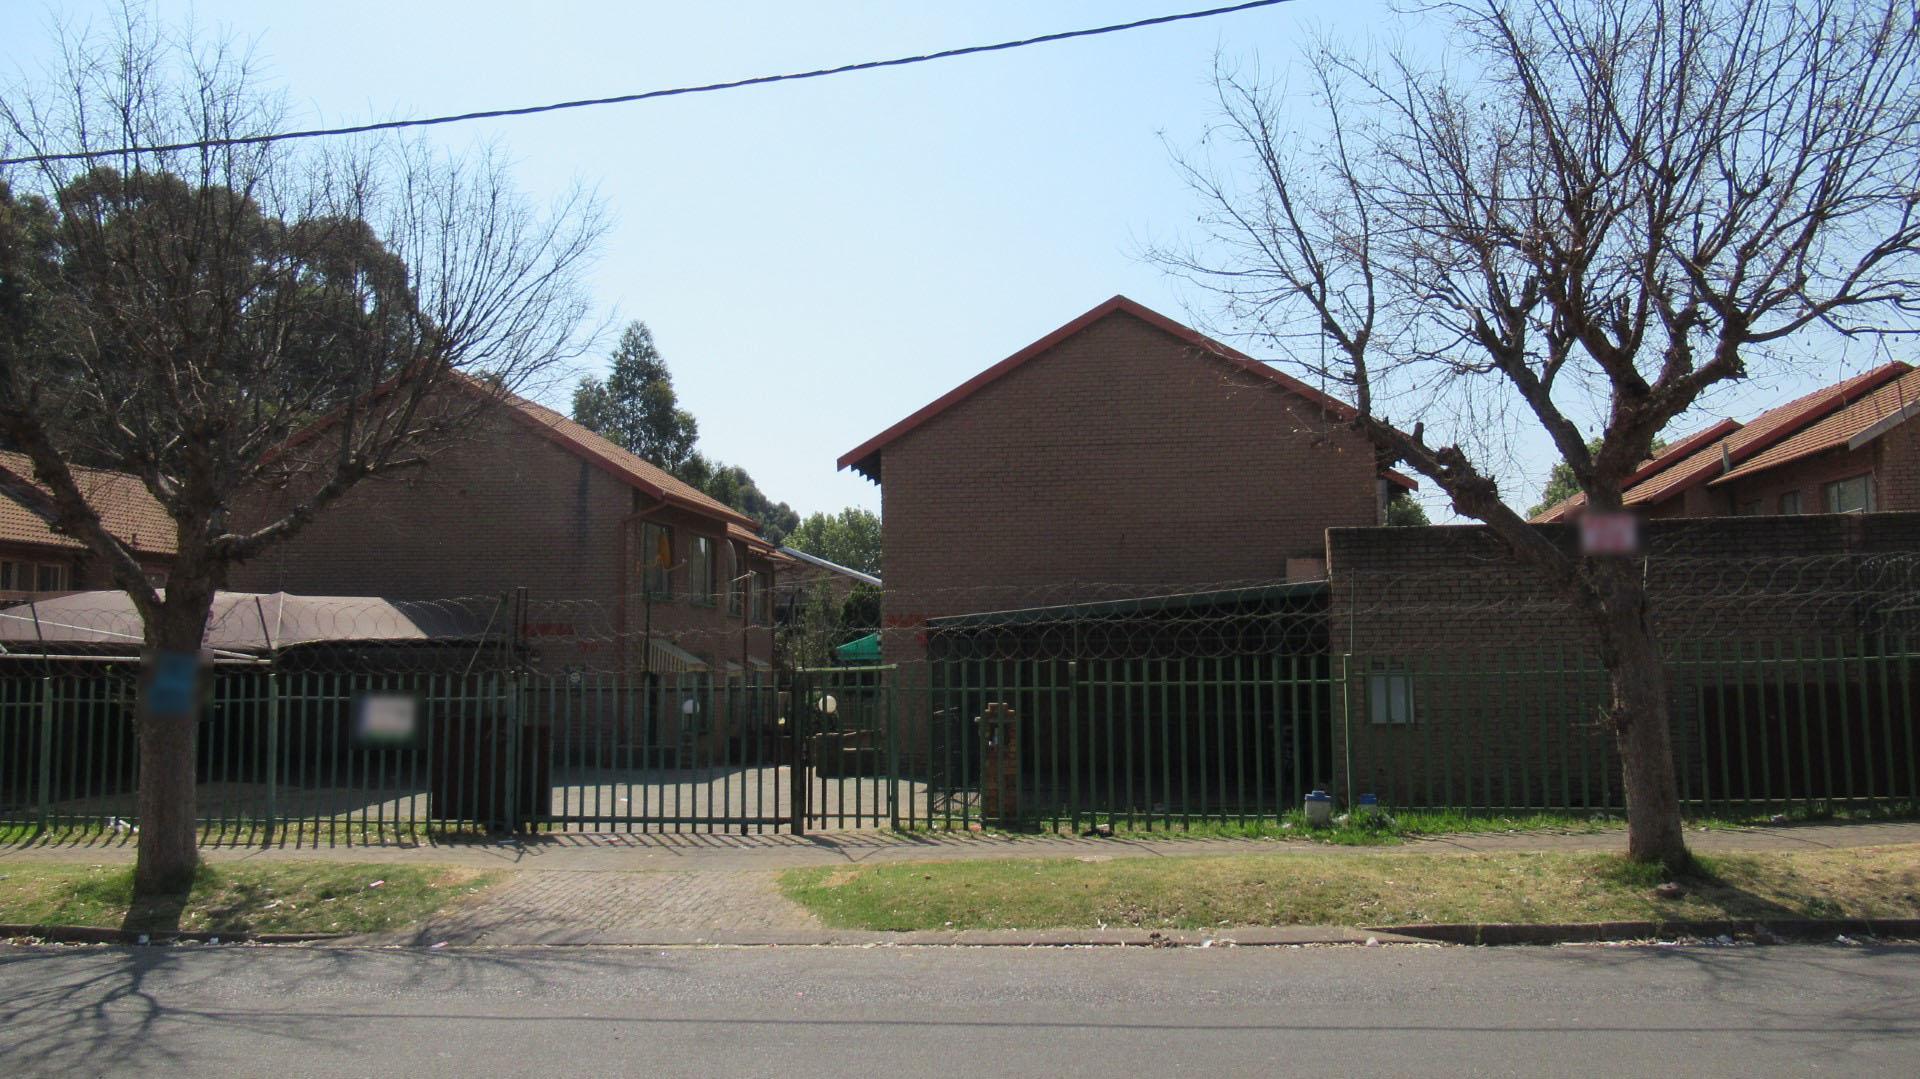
(1586, 212)
(182, 315)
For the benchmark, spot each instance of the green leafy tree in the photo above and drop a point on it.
(183, 314)
(636, 406)
(1562, 484)
(733, 486)
(850, 537)
(1404, 512)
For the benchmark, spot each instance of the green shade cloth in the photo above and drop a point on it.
(860, 650)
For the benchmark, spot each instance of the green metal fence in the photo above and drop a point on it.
(337, 757)
(1757, 727)
(1063, 741)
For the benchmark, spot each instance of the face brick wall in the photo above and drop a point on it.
(1120, 457)
(507, 509)
(1508, 691)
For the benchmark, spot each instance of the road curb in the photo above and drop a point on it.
(1496, 933)
(93, 934)
(852, 938)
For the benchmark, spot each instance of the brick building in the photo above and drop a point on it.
(1789, 639)
(1845, 448)
(1122, 453)
(625, 568)
(36, 560)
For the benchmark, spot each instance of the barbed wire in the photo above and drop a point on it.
(1463, 608)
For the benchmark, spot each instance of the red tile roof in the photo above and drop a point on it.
(126, 507)
(630, 468)
(1659, 462)
(863, 458)
(1759, 433)
(1891, 403)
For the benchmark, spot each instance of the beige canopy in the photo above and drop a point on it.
(252, 623)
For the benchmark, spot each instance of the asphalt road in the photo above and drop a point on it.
(880, 1013)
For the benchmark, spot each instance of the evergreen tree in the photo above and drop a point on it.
(636, 406)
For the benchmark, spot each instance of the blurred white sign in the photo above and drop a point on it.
(1609, 533)
(388, 717)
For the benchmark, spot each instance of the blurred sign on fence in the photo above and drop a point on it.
(1609, 533)
(388, 719)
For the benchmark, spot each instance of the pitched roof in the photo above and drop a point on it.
(1802, 426)
(625, 466)
(864, 458)
(1759, 433)
(1659, 462)
(1871, 416)
(127, 509)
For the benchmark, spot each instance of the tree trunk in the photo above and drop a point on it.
(168, 851)
(1641, 721)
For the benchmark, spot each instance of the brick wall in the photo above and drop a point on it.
(507, 509)
(1120, 457)
(1508, 691)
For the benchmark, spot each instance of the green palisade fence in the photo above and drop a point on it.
(1065, 741)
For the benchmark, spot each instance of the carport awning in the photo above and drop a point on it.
(671, 658)
(859, 650)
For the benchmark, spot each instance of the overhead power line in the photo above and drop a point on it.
(647, 95)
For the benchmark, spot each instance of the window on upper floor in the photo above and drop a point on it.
(1853, 495)
(762, 598)
(736, 579)
(1790, 503)
(1752, 508)
(700, 571)
(35, 576)
(656, 558)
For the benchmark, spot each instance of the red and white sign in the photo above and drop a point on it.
(1609, 533)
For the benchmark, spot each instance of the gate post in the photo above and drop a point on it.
(999, 764)
(46, 749)
(797, 709)
(892, 732)
(273, 750)
(511, 801)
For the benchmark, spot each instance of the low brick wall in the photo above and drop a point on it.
(1788, 636)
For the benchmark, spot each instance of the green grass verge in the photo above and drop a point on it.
(1351, 889)
(279, 897)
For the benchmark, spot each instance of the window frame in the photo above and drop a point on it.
(656, 579)
(736, 588)
(1830, 490)
(1381, 711)
(762, 600)
(700, 571)
(24, 575)
(1781, 504)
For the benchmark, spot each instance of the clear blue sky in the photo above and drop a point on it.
(818, 259)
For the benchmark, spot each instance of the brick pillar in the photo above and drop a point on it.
(999, 764)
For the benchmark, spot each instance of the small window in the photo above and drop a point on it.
(1790, 503)
(700, 571)
(762, 598)
(51, 578)
(1390, 697)
(656, 558)
(736, 580)
(10, 577)
(1750, 509)
(1850, 495)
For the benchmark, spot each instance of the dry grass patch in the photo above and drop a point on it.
(268, 897)
(1357, 889)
